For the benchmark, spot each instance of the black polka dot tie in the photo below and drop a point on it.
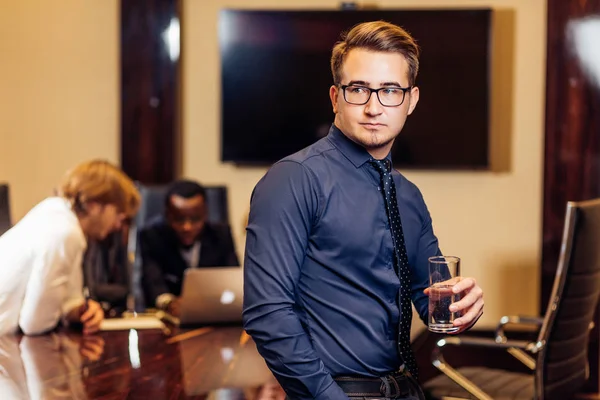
(388, 189)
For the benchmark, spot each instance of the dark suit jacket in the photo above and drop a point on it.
(162, 264)
(105, 271)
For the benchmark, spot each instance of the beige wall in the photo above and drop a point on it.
(491, 219)
(60, 103)
(59, 90)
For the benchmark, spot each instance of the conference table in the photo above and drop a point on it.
(219, 363)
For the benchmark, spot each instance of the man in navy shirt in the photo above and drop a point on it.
(322, 261)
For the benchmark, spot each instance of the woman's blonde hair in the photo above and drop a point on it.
(101, 182)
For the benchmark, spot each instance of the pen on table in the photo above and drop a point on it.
(86, 299)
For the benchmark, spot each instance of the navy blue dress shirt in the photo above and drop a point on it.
(320, 291)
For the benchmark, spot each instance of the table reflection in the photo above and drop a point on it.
(210, 363)
(46, 367)
(13, 381)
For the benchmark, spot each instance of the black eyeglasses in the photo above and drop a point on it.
(388, 96)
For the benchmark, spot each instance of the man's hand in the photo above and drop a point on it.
(470, 305)
(92, 317)
(174, 307)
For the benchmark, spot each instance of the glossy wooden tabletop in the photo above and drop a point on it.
(208, 363)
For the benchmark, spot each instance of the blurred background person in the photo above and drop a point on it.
(179, 240)
(42, 254)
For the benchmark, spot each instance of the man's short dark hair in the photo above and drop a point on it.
(184, 188)
(379, 36)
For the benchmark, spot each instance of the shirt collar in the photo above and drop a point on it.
(354, 152)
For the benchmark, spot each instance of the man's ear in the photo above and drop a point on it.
(333, 95)
(413, 99)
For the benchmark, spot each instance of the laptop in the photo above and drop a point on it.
(212, 296)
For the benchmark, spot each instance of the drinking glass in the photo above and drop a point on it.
(444, 273)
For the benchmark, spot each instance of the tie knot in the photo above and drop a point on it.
(382, 166)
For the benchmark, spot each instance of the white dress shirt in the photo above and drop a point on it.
(192, 255)
(40, 262)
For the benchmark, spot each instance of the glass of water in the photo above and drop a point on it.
(444, 273)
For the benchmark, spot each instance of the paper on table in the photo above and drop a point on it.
(115, 324)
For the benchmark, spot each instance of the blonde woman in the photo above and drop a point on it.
(41, 256)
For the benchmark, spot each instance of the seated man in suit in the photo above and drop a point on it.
(181, 239)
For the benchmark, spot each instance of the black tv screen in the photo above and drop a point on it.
(276, 77)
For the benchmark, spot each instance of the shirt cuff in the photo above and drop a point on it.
(71, 304)
(163, 300)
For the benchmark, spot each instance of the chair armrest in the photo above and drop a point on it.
(515, 320)
(520, 349)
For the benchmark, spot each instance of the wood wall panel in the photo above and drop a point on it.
(572, 142)
(150, 81)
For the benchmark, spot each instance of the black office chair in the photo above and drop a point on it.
(5, 221)
(558, 357)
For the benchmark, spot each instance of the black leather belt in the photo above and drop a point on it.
(393, 386)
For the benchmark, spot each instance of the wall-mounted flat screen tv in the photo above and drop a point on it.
(275, 79)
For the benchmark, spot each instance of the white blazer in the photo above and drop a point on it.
(40, 268)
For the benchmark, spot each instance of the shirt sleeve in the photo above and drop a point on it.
(427, 247)
(55, 284)
(74, 287)
(283, 208)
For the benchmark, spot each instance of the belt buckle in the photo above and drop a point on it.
(392, 388)
(389, 387)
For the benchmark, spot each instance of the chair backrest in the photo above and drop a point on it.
(153, 204)
(5, 221)
(563, 361)
(217, 204)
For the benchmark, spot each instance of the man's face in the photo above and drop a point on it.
(373, 125)
(186, 217)
(104, 220)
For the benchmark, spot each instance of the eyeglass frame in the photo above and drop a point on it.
(376, 91)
